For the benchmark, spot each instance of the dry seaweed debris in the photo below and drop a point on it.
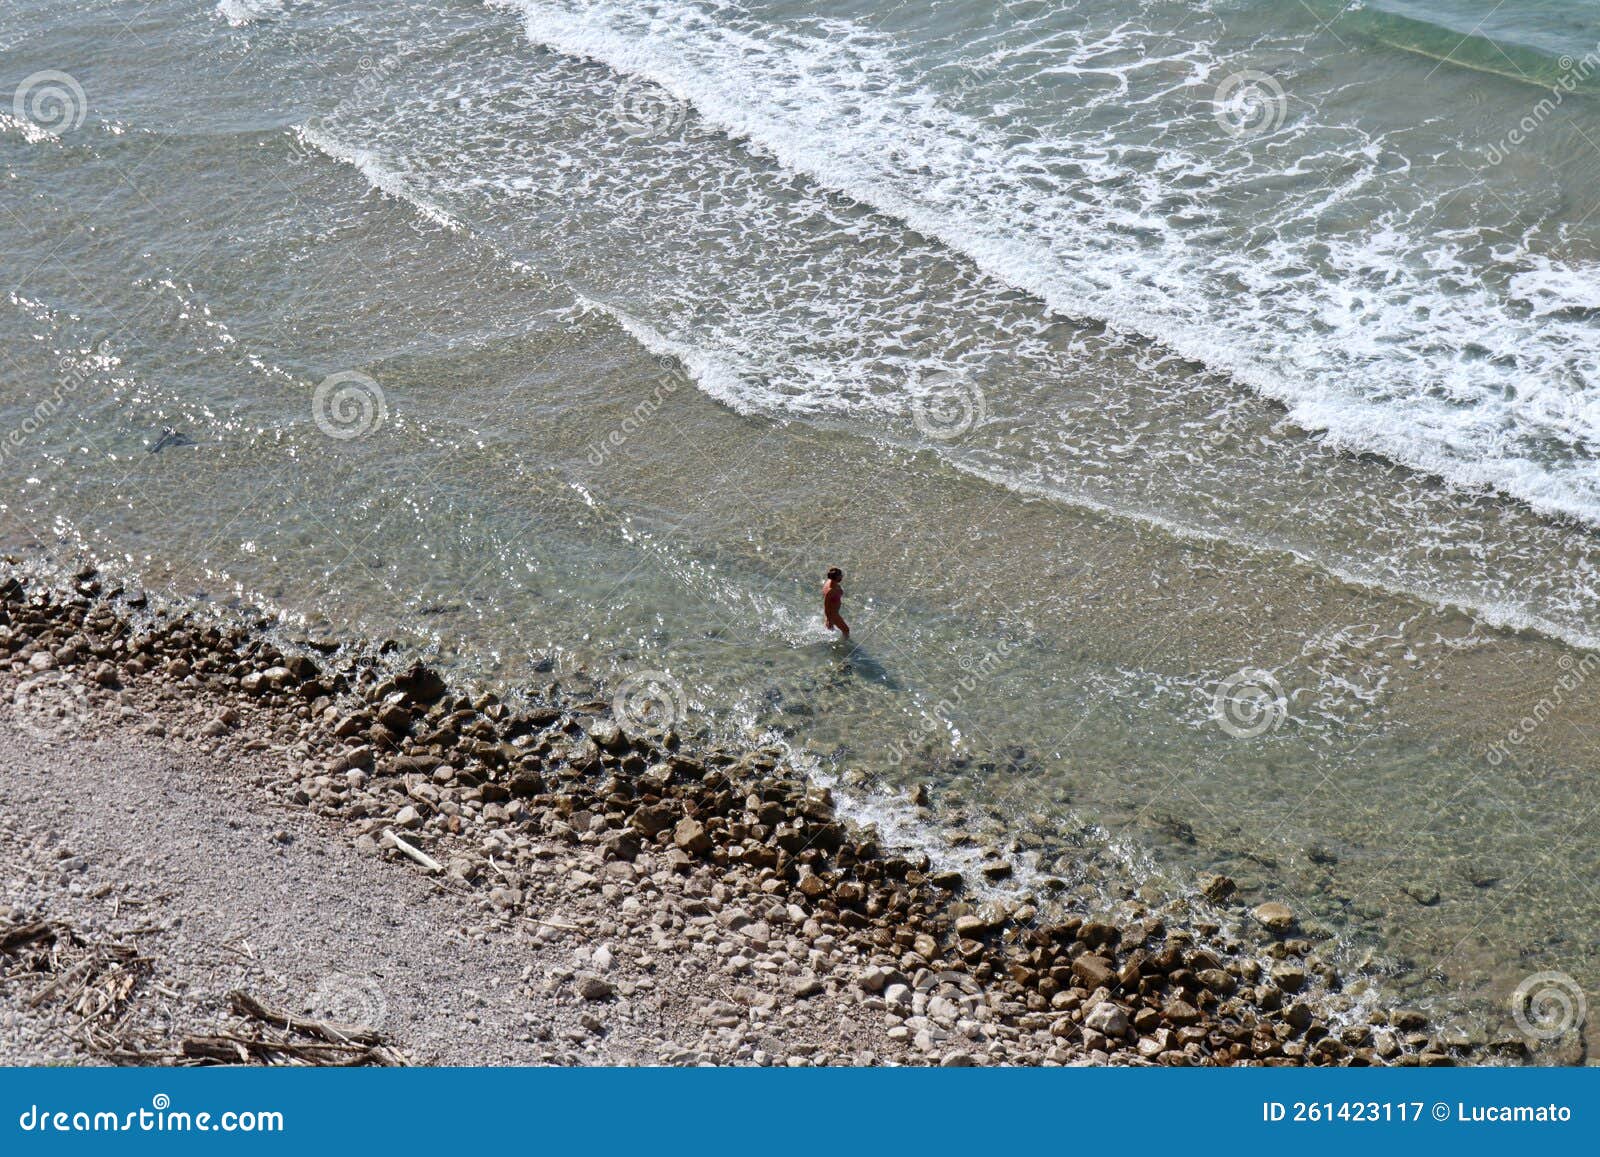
(261, 1034)
(90, 985)
(87, 984)
(275, 1036)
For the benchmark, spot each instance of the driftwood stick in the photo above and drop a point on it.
(228, 1052)
(82, 967)
(415, 853)
(338, 1034)
(227, 1048)
(20, 935)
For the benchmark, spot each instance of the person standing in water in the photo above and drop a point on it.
(832, 596)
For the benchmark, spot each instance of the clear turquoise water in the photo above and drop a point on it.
(1112, 349)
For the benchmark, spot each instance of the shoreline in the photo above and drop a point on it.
(690, 846)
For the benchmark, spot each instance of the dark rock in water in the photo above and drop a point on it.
(1180, 830)
(1216, 887)
(1289, 977)
(607, 735)
(541, 717)
(1407, 1018)
(1425, 894)
(169, 439)
(421, 684)
(1274, 917)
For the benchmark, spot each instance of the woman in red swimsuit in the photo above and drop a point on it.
(832, 596)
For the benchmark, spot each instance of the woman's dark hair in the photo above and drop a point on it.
(835, 573)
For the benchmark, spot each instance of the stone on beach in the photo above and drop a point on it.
(1107, 1019)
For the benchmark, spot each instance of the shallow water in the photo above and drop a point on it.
(1134, 398)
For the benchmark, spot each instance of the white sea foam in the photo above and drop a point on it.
(740, 384)
(720, 381)
(381, 174)
(1371, 341)
(718, 376)
(239, 13)
(26, 129)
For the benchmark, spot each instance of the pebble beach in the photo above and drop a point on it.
(525, 879)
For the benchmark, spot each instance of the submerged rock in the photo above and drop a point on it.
(1275, 917)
